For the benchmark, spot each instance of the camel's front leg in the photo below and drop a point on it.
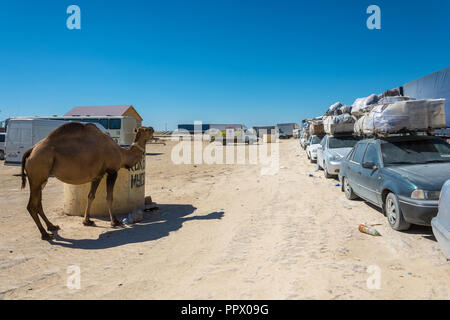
(91, 196)
(110, 181)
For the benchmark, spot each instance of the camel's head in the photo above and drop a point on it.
(143, 134)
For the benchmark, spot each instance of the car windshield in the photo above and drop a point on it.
(415, 152)
(315, 140)
(342, 142)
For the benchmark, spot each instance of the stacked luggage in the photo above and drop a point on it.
(339, 119)
(316, 127)
(388, 114)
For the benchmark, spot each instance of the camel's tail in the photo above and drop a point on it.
(24, 160)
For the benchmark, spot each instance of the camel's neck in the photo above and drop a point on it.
(132, 155)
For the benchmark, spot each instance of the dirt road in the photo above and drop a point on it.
(223, 232)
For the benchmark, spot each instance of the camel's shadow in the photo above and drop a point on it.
(154, 226)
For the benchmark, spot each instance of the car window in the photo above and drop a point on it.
(371, 154)
(359, 152)
(415, 151)
(342, 142)
(315, 140)
(2, 138)
(350, 154)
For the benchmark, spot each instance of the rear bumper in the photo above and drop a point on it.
(418, 211)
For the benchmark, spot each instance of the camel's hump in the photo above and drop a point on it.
(73, 128)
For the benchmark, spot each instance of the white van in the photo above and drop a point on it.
(23, 133)
(2, 145)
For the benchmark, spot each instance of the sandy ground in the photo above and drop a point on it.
(223, 232)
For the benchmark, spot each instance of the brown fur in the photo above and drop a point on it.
(77, 153)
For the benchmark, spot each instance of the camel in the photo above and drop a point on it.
(78, 153)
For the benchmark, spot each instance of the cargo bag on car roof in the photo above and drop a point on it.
(410, 115)
(339, 124)
(363, 105)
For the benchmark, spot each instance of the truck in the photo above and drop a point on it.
(286, 130)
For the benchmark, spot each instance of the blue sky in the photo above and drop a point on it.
(249, 61)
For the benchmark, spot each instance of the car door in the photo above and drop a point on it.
(354, 172)
(370, 176)
(320, 151)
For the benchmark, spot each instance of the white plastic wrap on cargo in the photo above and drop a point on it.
(412, 115)
(339, 124)
(364, 105)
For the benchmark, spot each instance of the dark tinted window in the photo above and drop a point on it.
(359, 152)
(2, 138)
(104, 123)
(418, 151)
(371, 154)
(342, 142)
(315, 140)
(114, 124)
(93, 120)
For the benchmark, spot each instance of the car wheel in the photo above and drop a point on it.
(349, 194)
(394, 213)
(325, 172)
(2, 155)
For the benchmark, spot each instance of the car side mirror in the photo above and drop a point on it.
(320, 147)
(370, 165)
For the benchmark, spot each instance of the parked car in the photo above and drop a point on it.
(441, 223)
(304, 140)
(250, 137)
(245, 136)
(330, 152)
(403, 175)
(311, 149)
(2, 145)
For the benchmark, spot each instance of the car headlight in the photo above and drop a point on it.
(425, 195)
(335, 157)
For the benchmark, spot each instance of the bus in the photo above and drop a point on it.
(120, 128)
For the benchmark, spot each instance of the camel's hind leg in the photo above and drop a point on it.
(110, 181)
(50, 226)
(33, 208)
(94, 185)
